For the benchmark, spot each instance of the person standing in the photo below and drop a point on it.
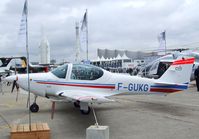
(196, 74)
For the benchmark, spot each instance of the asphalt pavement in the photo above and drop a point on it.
(130, 117)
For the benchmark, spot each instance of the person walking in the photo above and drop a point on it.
(196, 74)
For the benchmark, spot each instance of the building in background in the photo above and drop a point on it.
(122, 59)
(44, 48)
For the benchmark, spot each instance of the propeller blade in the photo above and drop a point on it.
(13, 86)
(17, 86)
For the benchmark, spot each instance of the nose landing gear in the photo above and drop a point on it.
(34, 107)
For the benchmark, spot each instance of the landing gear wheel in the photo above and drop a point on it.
(76, 104)
(34, 108)
(86, 112)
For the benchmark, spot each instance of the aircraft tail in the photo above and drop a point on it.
(179, 72)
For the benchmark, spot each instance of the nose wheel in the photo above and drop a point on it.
(34, 108)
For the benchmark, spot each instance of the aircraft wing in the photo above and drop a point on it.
(84, 96)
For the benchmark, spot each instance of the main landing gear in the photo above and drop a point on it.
(77, 104)
(34, 107)
(84, 108)
(86, 112)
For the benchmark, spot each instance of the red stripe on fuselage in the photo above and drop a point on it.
(80, 85)
(184, 61)
(163, 90)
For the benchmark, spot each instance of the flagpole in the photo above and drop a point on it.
(165, 42)
(86, 35)
(27, 52)
(77, 43)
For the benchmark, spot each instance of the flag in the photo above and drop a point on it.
(84, 22)
(162, 41)
(84, 34)
(23, 27)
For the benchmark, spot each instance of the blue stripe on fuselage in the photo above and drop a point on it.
(171, 86)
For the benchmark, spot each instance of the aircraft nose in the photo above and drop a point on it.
(10, 78)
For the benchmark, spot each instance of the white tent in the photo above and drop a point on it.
(102, 58)
(98, 58)
(118, 57)
(124, 57)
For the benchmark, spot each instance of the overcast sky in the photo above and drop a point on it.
(113, 24)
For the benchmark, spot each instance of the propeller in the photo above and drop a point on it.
(8, 73)
(12, 79)
(17, 87)
(14, 85)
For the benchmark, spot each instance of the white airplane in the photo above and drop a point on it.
(8, 65)
(153, 69)
(84, 85)
(5, 64)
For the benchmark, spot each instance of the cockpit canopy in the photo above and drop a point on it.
(61, 71)
(79, 72)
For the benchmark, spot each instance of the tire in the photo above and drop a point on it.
(34, 108)
(76, 104)
(86, 112)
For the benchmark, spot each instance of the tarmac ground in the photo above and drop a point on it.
(130, 117)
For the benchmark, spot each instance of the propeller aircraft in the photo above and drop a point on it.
(85, 85)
